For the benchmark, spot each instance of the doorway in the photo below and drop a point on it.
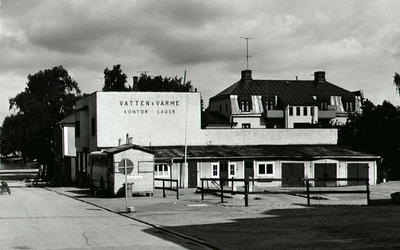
(325, 170)
(357, 170)
(192, 174)
(292, 173)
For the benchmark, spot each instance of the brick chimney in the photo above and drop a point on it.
(319, 76)
(246, 76)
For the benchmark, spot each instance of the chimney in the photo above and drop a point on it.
(135, 83)
(246, 76)
(319, 76)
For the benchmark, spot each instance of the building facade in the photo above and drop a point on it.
(284, 103)
(64, 148)
(170, 125)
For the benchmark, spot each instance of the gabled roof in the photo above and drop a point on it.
(289, 91)
(124, 147)
(68, 120)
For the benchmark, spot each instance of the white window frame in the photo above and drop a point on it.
(214, 164)
(162, 173)
(231, 164)
(266, 163)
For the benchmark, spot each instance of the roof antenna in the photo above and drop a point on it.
(247, 50)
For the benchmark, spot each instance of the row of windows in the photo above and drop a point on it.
(263, 169)
(305, 111)
(161, 170)
(245, 106)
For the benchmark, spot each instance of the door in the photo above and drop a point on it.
(357, 170)
(248, 169)
(292, 173)
(192, 174)
(223, 172)
(325, 170)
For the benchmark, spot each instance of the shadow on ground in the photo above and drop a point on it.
(312, 227)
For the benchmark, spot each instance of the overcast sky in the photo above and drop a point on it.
(357, 43)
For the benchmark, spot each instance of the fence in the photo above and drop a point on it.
(232, 190)
(170, 188)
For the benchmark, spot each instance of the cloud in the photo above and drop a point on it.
(356, 42)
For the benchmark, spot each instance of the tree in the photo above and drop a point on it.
(160, 84)
(114, 80)
(396, 81)
(50, 96)
(11, 135)
(375, 131)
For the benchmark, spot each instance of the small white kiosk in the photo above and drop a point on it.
(106, 169)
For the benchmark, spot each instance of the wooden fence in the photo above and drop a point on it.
(169, 187)
(221, 189)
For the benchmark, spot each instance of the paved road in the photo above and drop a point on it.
(35, 218)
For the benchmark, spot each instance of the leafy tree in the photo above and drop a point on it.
(376, 131)
(160, 84)
(396, 81)
(10, 136)
(114, 80)
(50, 96)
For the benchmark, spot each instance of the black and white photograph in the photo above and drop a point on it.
(150, 124)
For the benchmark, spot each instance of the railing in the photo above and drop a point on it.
(170, 188)
(246, 192)
(338, 191)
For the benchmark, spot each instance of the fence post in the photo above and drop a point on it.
(368, 198)
(308, 192)
(163, 188)
(202, 187)
(222, 191)
(246, 195)
(177, 190)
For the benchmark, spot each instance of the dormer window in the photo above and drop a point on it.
(349, 107)
(245, 104)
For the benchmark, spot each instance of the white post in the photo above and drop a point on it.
(126, 187)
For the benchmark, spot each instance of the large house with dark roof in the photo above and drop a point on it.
(251, 103)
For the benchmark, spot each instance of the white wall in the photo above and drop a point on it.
(69, 141)
(143, 117)
(308, 118)
(150, 118)
(264, 136)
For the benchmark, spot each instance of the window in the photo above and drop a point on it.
(291, 111)
(245, 106)
(305, 109)
(226, 106)
(349, 106)
(265, 168)
(93, 126)
(246, 125)
(312, 111)
(232, 169)
(215, 169)
(297, 111)
(161, 170)
(220, 108)
(270, 106)
(324, 106)
(77, 129)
